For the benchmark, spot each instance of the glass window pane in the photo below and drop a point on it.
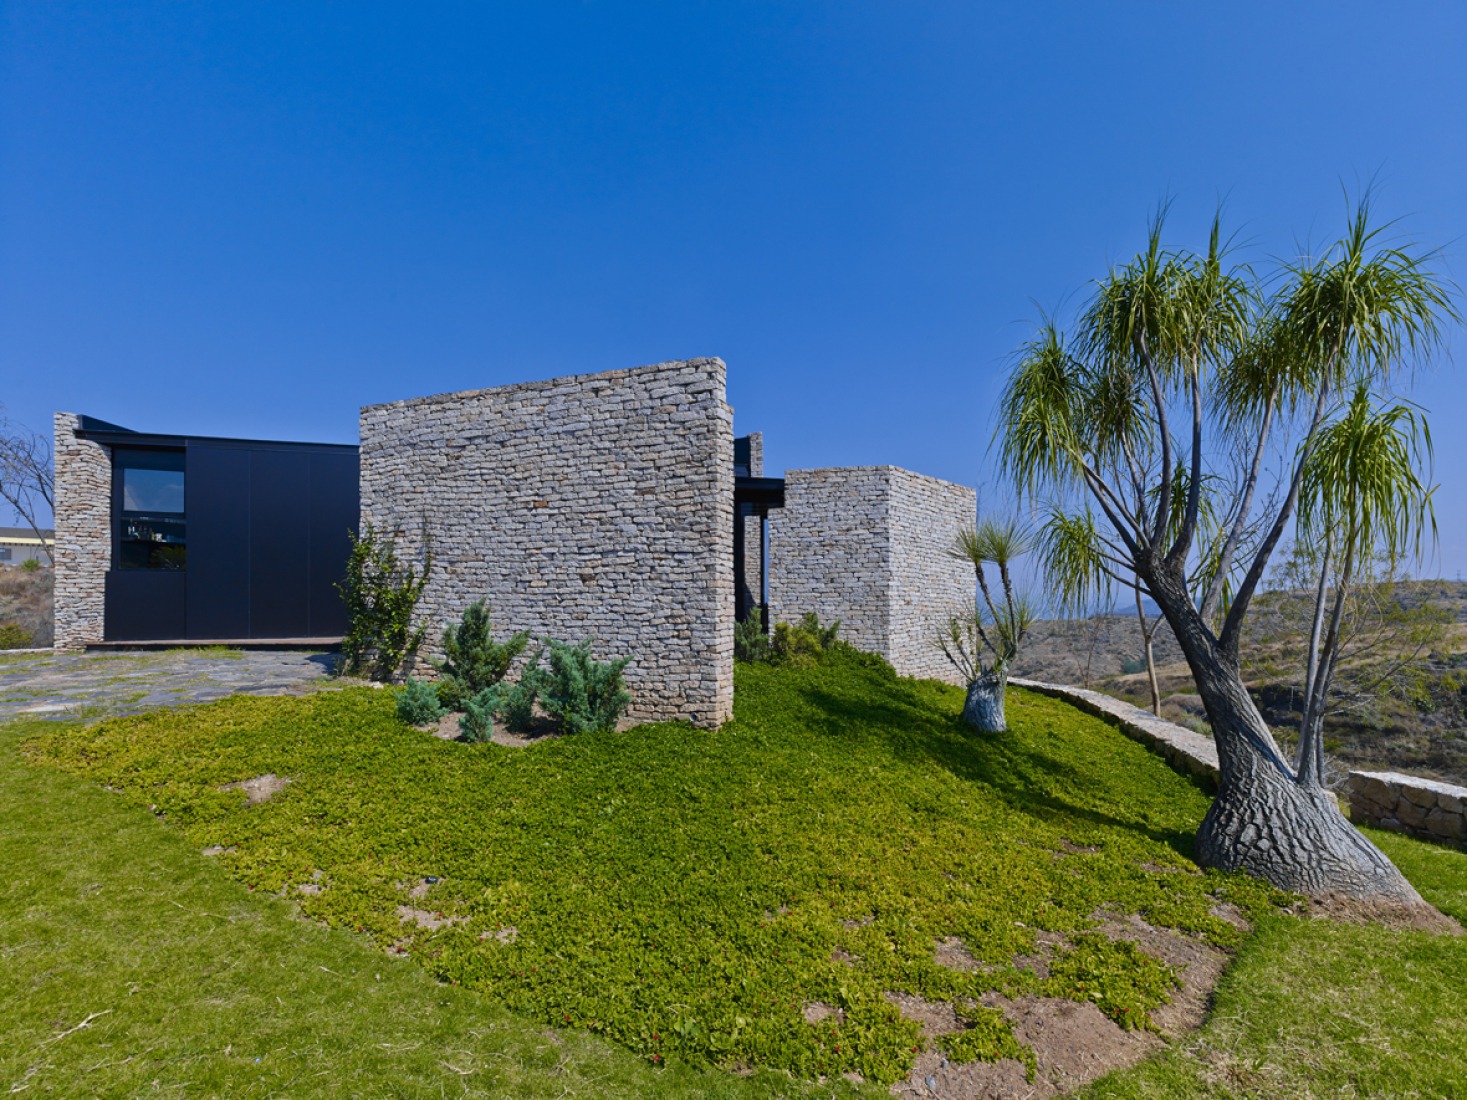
(152, 490)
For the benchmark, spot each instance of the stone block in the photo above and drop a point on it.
(1410, 814)
(1443, 825)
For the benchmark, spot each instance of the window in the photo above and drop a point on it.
(148, 496)
(4, 553)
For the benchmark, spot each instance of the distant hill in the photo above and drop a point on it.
(1418, 725)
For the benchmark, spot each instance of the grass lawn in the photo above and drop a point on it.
(648, 903)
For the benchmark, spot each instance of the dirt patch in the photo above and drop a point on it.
(541, 730)
(933, 1075)
(815, 1011)
(953, 953)
(1077, 849)
(216, 850)
(936, 1017)
(1396, 915)
(1198, 964)
(262, 788)
(1227, 911)
(860, 922)
(1073, 1042)
(508, 934)
(1037, 962)
(426, 920)
(841, 955)
(310, 889)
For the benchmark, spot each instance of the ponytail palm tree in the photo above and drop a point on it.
(1146, 431)
(981, 641)
(1363, 499)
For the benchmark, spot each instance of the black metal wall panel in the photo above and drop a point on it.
(335, 511)
(280, 536)
(143, 605)
(219, 507)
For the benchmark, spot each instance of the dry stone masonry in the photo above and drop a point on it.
(83, 535)
(1409, 804)
(595, 506)
(868, 545)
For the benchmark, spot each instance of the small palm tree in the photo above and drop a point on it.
(1361, 498)
(981, 641)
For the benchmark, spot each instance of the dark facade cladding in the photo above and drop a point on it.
(225, 539)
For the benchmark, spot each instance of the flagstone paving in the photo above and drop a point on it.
(107, 682)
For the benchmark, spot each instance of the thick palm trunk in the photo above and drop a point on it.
(1263, 821)
(983, 708)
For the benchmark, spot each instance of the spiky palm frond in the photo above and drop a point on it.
(1362, 483)
(1074, 568)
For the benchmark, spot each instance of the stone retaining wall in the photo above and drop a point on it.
(595, 506)
(1188, 752)
(83, 535)
(867, 545)
(1408, 804)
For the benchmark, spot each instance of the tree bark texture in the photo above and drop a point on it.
(983, 708)
(1263, 821)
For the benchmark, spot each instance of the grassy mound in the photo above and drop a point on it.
(695, 893)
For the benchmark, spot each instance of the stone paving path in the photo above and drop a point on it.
(101, 683)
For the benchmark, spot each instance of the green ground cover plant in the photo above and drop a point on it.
(1320, 1008)
(689, 893)
(130, 965)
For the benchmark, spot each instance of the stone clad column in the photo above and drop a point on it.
(83, 535)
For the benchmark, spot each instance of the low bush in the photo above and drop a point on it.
(472, 660)
(477, 722)
(517, 703)
(13, 636)
(751, 641)
(418, 704)
(579, 693)
(31, 565)
(381, 592)
(805, 644)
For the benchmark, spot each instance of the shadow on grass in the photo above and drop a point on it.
(1024, 775)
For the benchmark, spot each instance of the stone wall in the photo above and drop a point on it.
(595, 506)
(83, 535)
(1408, 804)
(830, 552)
(928, 583)
(867, 545)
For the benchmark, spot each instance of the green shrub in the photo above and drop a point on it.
(751, 642)
(517, 703)
(580, 694)
(1130, 668)
(31, 565)
(417, 703)
(380, 593)
(13, 636)
(803, 645)
(448, 696)
(477, 723)
(472, 660)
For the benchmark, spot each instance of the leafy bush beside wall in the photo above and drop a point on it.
(381, 592)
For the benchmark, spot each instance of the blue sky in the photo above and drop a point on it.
(250, 219)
